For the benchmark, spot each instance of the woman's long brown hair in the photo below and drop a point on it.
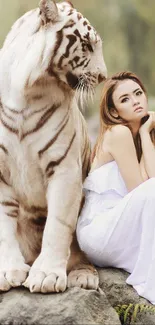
(107, 119)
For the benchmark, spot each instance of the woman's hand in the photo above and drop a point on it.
(149, 124)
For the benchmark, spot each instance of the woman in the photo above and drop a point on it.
(117, 223)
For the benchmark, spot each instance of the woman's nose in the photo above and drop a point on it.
(135, 101)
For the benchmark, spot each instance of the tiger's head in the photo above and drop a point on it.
(53, 42)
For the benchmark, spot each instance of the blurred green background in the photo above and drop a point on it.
(127, 28)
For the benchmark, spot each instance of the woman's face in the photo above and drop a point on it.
(130, 101)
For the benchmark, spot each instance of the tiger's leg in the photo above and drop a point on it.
(13, 270)
(48, 273)
(81, 273)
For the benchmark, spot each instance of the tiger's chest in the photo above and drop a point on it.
(41, 146)
(25, 175)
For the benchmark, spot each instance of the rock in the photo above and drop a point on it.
(112, 282)
(78, 306)
(75, 306)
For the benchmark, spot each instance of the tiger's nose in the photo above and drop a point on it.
(101, 78)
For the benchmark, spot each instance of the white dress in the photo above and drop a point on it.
(117, 228)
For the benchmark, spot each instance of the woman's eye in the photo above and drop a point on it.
(139, 93)
(124, 99)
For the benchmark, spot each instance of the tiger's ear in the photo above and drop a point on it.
(70, 3)
(48, 11)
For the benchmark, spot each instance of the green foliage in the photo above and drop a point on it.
(128, 313)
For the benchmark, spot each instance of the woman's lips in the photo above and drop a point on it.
(138, 109)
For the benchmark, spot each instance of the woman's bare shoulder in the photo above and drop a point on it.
(118, 132)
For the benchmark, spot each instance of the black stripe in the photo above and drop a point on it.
(12, 215)
(80, 64)
(39, 221)
(75, 49)
(10, 128)
(57, 45)
(69, 24)
(50, 143)
(10, 204)
(70, 12)
(2, 179)
(86, 64)
(75, 60)
(35, 112)
(3, 148)
(16, 112)
(36, 209)
(44, 118)
(70, 3)
(5, 114)
(85, 23)
(76, 32)
(72, 40)
(52, 164)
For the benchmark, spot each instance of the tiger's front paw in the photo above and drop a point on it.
(13, 278)
(83, 277)
(45, 277)
(40, 281)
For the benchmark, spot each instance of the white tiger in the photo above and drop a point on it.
(44, 148)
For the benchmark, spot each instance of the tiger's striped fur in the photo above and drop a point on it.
(44, 147)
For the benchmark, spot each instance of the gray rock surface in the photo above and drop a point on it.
(112, 282)
(78, 306)
(75, 306)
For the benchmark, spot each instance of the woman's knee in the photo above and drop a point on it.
(88, 240)
(147, 189)
(151, 182)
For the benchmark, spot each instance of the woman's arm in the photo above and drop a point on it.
(121, 146)
(148, 148)
(143, 169)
